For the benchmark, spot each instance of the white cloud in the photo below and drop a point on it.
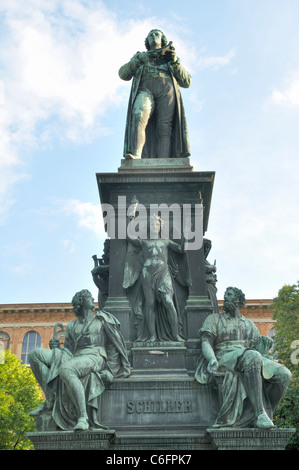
(61, 68)
(86, 214)
(288, 97)
(59, 64)
(69, 245)
(20, 270)
(216, 62)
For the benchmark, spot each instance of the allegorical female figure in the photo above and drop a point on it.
(153, 266)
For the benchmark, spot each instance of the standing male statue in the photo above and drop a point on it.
(73, 377)
(156, 123)
(252, 384)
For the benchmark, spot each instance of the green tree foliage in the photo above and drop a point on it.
(19, 394)
(286, 350)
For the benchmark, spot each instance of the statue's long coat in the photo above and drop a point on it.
(179, 139)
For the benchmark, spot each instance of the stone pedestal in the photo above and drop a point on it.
(161, 405)
(157, 165)
(156, 437)
(159, 359)
(158, 181)
(70, 440)
(161, 397)
(155, 182)
(147, 402)
(250, 439)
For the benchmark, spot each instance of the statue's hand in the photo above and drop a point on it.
(263, 345)
(170, 56)
(213, 366)
(54, 343)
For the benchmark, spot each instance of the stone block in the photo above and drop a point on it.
(72, 440)
(159, 359)
(250, 438)
(152, 402)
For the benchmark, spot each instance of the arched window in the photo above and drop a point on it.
(272, 332)
(31, 341)
(4, 340)
(4, 344)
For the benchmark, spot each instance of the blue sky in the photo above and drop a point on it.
(62, 117)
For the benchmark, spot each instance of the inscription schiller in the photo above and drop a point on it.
(159, 406)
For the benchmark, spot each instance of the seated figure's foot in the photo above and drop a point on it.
(264, 422)
(43, 407)
(82, 424)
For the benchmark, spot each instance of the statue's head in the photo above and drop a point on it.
(156, 224)
(82, 299)
(233, 299)
(148, 38)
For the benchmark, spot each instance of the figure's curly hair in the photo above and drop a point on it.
(239, 294)
(163, 39)
(78, 299)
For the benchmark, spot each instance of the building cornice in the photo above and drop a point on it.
(32, 308)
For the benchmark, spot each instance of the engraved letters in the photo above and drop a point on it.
(159, 406)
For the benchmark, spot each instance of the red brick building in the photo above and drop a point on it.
(26, 326)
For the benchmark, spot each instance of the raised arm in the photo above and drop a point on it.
(128, 70)
(132, 238)
(178, 247)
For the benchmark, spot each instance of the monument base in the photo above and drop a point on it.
(109, 441)
(156, 439)
(144, 165)
(250, 438)
(164, 405)
(72, 440)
